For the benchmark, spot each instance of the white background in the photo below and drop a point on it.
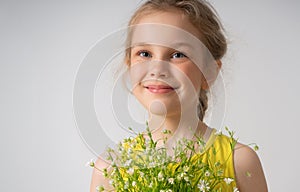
(43, 42)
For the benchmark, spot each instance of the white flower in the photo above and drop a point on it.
(128, 163)
(203, 185)
(207, 174)
(182, 175)
(160, 176)
(130, 171)
(171, 180)
(151, 184)
(235, 189)
(228, 180)
(133, 183)
(111, 182)
(168, 190)
(126, 185)
(185, 168)
(152, 164)
(142, 174)
(186, 178)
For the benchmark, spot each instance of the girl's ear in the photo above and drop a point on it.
(219, 63)
(205, 84)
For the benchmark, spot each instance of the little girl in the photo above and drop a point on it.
(174, 51)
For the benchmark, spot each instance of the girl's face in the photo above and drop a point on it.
(165, 79)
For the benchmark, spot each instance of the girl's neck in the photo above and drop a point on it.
(159, 123)
(180, 127)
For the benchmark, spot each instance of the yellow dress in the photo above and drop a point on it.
(219, 148)
(218, 154)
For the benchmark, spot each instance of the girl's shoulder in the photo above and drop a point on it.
(248, 169)
(240, 160)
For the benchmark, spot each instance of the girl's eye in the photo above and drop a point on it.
(144, 54)
(178, 55)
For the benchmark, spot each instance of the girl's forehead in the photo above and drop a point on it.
(169, 28)
(172, 17)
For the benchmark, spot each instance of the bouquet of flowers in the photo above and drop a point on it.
(138, 164)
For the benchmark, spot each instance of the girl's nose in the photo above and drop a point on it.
(159, 69)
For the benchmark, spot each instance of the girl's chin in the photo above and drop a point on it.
(158, 108)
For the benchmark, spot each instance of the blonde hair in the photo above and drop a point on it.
(203, 16)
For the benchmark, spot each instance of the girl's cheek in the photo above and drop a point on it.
(192, 76)
(137, 73)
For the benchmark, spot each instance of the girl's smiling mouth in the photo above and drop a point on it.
(154, 88)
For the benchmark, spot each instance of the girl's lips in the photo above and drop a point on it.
(159, 88)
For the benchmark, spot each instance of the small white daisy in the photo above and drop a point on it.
(203, 185)
(133, 183)
(207, 174)
(171, 180)
(130, 171)
(160, 176)
(228, 180)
